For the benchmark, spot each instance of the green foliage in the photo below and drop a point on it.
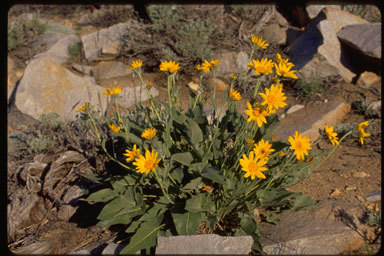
(51, 121)
(362, 109)
(20, 29)
(314, 87)
(373, 219)
(75, 49)
(40, 143)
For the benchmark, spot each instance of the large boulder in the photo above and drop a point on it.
(321, 37)
(363, 40)
(232, 63)
(60, 50)
(94, 43)
(47, 86)
(110, 69)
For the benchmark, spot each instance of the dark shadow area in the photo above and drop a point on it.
(86, 215)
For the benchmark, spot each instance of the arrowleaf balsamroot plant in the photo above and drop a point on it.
(184, 170)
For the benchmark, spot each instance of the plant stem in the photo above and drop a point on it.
(153, 106)
(94, 126)
(162, 188)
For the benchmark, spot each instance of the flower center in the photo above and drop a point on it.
(271, 99)
(256, 112)
(253, 167)
(299, 146)
(149, 164)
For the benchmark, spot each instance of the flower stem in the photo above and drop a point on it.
(162, 188)
(94, 126)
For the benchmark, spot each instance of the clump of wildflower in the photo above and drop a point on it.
(263, 149)
(332, 135)
(132, 154)
(113, 91)
(83, 107)
(259, 41)
(253, 166)
(273, 97)
(234, 95)
(262, 66)
(300, 144)
(362, 133)
(147, 163)
(256, 114)
(136, 64)
(169, 66)
(149, 133)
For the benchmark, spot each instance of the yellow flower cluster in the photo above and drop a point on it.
(149, 133)
(169, 66)
(300, 144)
(207, 66)
(136, 64)
(253, 166)
(332, 135)
(83, 107)
(234, 95)
(114, 128)
(259, 41)
(144, 163)
(113, 91)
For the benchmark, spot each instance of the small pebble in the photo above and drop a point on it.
(374, 196)
(335, 192)
(350, 187)
(361, 199)
(371, 206)
(361, 175)
(345, 175)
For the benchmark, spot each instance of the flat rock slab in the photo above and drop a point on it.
(309, 120)
(311, 231)
(204, 244)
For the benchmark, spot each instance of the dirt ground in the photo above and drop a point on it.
(342, 171)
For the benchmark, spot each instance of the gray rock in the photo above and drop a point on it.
(320, 38)
(48, 87)
(70, 199)
(374, 196)
(294, 109)
(94, 42)
(312, 231)
(273, 33)
(113, 249)
(110, 69)
(80, 252)
(59, 51)
(310, 124)
(204, 244)
(376, 107)
(84, 69)
(365, 38)
(232, 63)
(314, 10)
(132, 95)
(318, 67)
(111, 49)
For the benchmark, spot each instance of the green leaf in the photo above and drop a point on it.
(93, 177)
(186, 223)
(185, 158)
(195, 203)
(145, 237)
(195, 133)
(276, 197)
(273, 219)
(133, 227)
(197, 167)
(177, 174)
(214, 174)
(302, 201)
(193, 184)
(103, 195)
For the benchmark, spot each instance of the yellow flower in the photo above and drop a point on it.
(273, 137)
(149, 133)
(214, 63)
(256, 114)
(362, 133)
(114, 128)
(283, 69)
(263, 149)
(250, 142)
(300, 144)
(147, 163)
(234, 95)
(332, 136)
(132, 154)
(136, 64)
(83, 107)
(232, 76)
(282, 154)
(259, 41)
(170, 66)
(205, 67)
(149, 84)
(113, 91)
(253, 166)
(273, 97)
(262, 66)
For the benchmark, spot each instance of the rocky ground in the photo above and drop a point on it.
(46, 184)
